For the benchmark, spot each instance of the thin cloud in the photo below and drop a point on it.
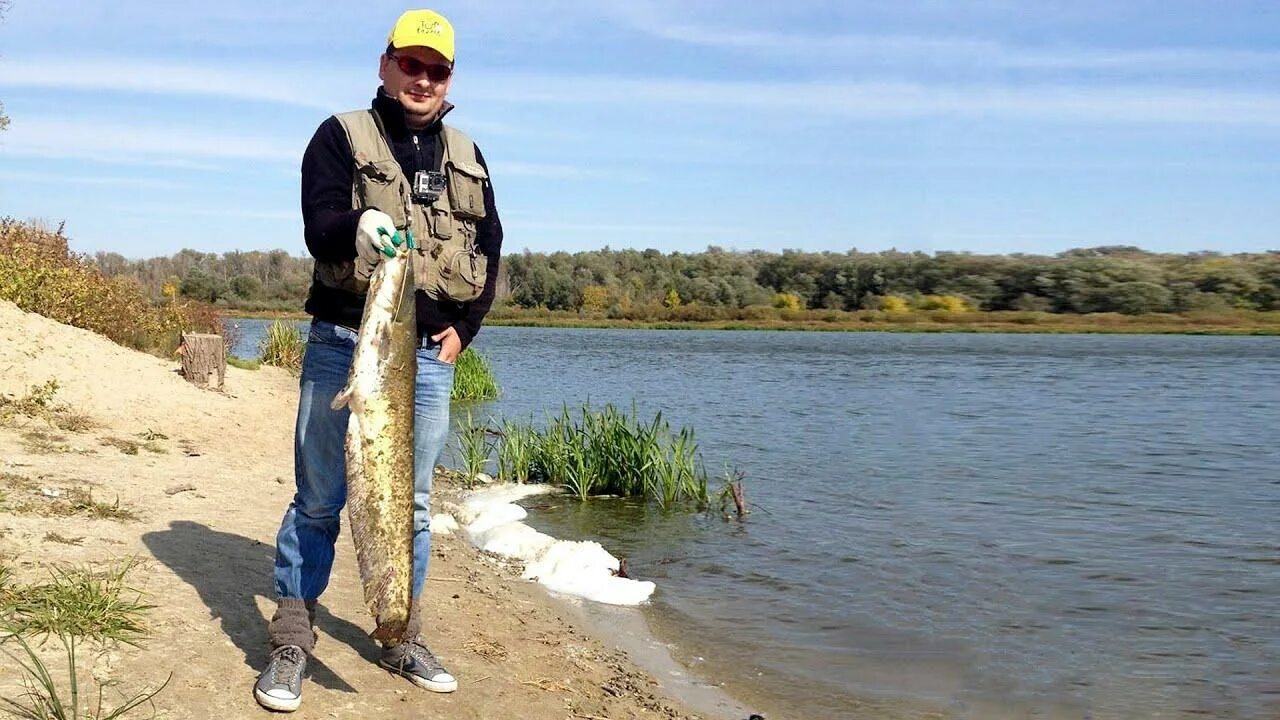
(939, 51)
(218, 212)
(543, 170)
(1128, 104)
(1148, 103)
(308, 88)
(632, 228)
(111, 180)
(140, 145)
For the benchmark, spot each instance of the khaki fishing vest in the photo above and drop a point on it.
(447, 264)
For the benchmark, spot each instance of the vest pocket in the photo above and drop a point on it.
(381, 187)
(441, 223)
(462, 274)
(450, 271)
(466, 189)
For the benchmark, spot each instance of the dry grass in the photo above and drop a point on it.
(147, 441)
(21, 495)
(486, 648)
(42, 442)
(39, 403)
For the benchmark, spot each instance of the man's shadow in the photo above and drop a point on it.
(230, 572)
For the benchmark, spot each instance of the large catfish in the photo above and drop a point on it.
(379, 445)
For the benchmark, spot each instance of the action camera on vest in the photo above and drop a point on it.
(427, 186)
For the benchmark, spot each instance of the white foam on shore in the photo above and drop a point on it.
(585, 569)
(443, 524)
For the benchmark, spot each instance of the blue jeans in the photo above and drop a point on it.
(304, 545)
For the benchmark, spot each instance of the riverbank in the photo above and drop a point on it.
(1236, 323)
(205, 477)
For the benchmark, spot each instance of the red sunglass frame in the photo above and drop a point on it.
(413, 67)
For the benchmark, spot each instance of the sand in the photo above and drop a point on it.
(209, 491)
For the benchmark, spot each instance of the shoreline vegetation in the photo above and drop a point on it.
(146, 304)
(1237, 322)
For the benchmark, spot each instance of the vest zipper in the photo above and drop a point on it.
(417, 150)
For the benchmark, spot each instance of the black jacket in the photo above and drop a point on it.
(330, 222)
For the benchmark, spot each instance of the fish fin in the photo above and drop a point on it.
(342, 398)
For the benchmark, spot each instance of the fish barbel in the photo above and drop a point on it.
(379, 445)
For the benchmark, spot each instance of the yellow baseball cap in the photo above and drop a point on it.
(423, 28)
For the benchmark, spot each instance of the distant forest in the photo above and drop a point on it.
(623, 283)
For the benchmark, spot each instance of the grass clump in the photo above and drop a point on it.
(473, 378)
(22, 495)
(282, 346)
(148, 441)
(80, 502)
(243, 364)
(78, 602)
(40, 442)
(40, 403)
(608, 452)
(43, 698)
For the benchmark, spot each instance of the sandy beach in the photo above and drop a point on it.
(208, 475)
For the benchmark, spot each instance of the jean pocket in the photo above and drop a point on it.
(432, 355)
(327, 333)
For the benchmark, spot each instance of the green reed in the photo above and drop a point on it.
(474, 448)
(607, 452)
(515, 452)
(282, 346)
(473, 378)
(43, 698)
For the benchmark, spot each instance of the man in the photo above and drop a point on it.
(373, 180)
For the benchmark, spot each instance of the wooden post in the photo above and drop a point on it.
(204, 361)
(739, 497)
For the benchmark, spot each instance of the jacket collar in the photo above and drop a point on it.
(392, 114)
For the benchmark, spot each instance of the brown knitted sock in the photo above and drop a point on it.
(415, 620)
(291, 625)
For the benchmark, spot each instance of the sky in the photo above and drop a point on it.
(1000, 126)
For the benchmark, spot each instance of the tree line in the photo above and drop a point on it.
(614, 282)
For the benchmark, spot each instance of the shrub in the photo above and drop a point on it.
(787, 301)
(39, 274)
(758, 312)
(893, 304)
(1136, 298)
(945, 303)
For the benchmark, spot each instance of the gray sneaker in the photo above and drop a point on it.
(414, 661)
(280, 685)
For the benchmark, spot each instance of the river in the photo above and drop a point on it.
(1056, 526)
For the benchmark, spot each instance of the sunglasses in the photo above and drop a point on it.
(414, 67)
